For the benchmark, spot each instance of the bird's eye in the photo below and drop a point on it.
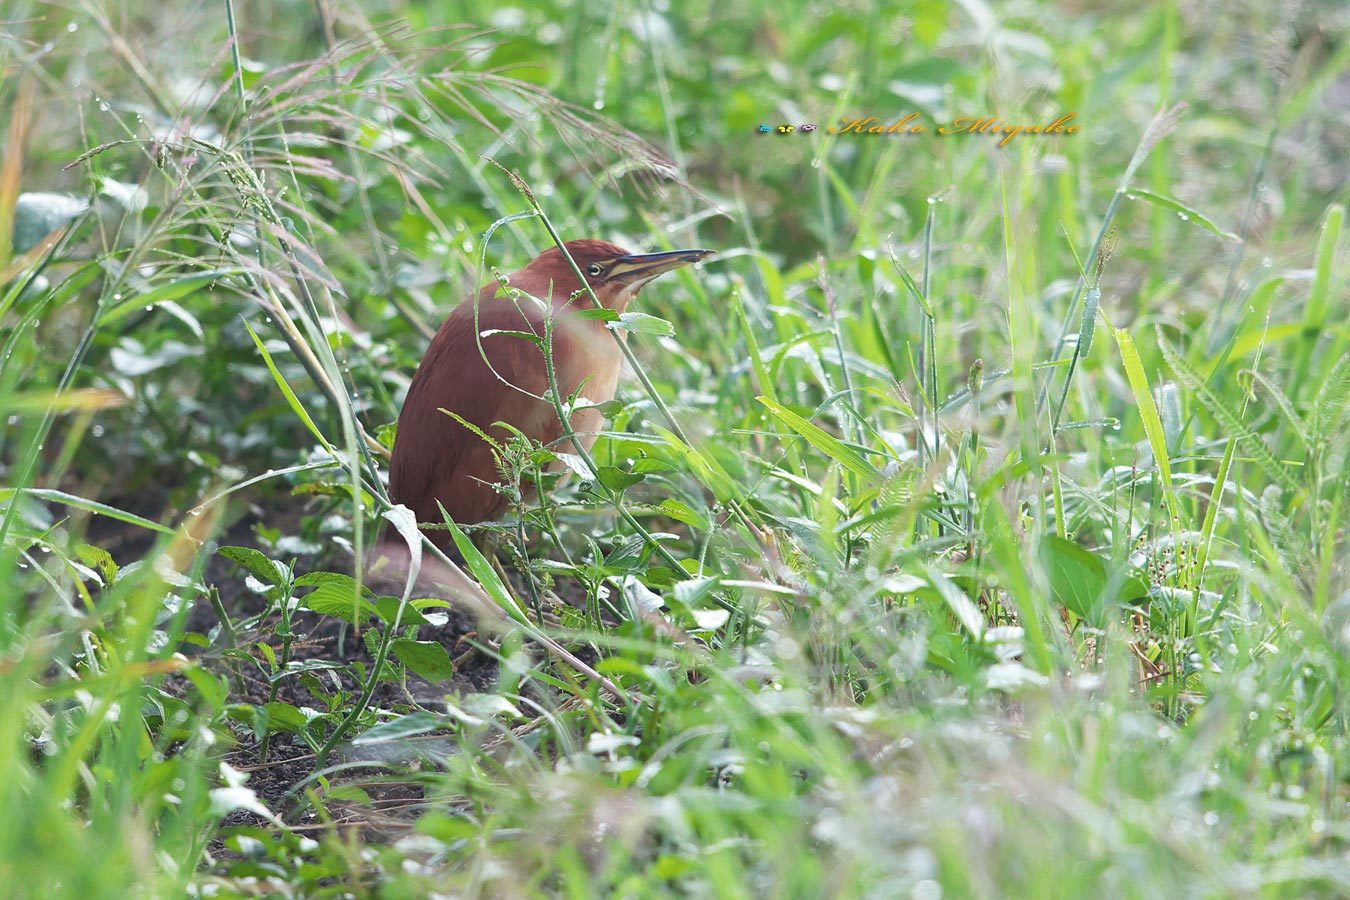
(593, 270)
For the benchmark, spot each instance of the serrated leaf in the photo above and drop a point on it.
(345, 582)
(683, 512)
(428, 659)
(617, 479)
(387, 608)
(575, 464)
(641, 323)
(339, 602)
(598, 314)
(101, 560)
(693, 591)
(268, 571)
(284, 717)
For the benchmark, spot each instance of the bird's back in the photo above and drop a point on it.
(500, 377)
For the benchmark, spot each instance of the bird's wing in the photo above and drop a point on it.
(498, 377)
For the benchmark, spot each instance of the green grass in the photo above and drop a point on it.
(973, 525)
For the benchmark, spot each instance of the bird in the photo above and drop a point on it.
(484, 367)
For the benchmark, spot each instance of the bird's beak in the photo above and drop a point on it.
(646, 266)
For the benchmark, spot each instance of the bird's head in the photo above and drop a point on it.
(615, 274)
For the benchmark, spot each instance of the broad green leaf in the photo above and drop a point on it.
(387, 608)
(428, 659)
(266, 570)
(1077, 579)
(339, 602)
(641, 323)
(344, 582)
(598, 314)
(617, 479)
(284, 717)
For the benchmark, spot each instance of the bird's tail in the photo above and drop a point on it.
(390, 561)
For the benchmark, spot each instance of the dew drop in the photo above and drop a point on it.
(598, 104)
(72, 28)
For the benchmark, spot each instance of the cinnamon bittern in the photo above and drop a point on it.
(484, 370)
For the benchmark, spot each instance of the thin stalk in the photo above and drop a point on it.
(234, 57)
(930, 323)
(287, 635)
(1078, 293)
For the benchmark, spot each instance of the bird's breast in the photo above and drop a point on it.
(588, 361)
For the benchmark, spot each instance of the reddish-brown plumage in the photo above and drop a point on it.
(486, 377)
